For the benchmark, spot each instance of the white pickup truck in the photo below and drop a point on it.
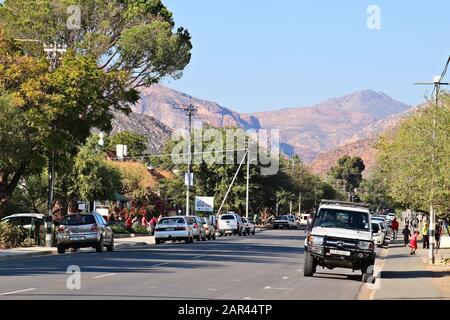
(340, 236)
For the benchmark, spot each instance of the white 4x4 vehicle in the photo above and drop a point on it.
(340, 236)
(230, 223)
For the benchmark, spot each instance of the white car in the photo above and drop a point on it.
(378, 233)
(250, 228)
(284, 222)
(304, 220)
(174, 229)
(230, 223)
(28, 221)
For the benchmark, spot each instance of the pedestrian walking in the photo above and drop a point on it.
(406, 235)
(153, 223)
(395, 227)
(413, 243)
(426, 236)
(438, 235)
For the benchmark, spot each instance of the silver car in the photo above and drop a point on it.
(250, 228)
(197, 227)
(84, 231)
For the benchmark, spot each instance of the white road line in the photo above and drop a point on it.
(267, 288)
(104, 276)
(247, 298)
(213, 290)
(285, 278)
(18, 291)
(160, 264)
(299, 270)
(198, 257)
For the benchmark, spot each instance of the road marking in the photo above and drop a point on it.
(105, 275)
(198, 257)
(284, 278)
(213, 290)
(267, 288)
(247, 298)
(288, 289)
(160, 264)
(18, 291)
(299, 270)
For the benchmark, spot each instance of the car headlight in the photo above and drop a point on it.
(315, 241)
(365, 245)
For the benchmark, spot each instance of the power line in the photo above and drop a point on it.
(179, 154)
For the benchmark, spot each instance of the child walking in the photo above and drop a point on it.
(413, 243)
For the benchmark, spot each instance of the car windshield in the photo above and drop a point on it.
(76, 220)
(172, 221)
(375, 228)
(335, 218)
(227, 217)
(283, 218)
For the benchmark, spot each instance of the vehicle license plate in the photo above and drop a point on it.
(340, 253)
(170, 229)
(76, 238)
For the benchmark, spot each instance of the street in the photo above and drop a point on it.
(268, 266)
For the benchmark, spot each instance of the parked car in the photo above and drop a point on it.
(283, 222)
(27, 221)
(230, 223)
(304, 220)
(197, 227)
(340, 237)
(83, 231)
(249, 227)
(210, 229)
(378, 233)
(174, 229)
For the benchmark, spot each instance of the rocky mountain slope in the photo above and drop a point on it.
(311, 132)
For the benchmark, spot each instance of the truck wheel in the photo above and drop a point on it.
(367, 274)
(310, 266)
(254, 231)
(61, 249)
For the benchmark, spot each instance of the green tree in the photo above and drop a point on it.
(349, 170)
(120, 46)
(133, 37)
(137, 144)
(415, 177)
(93, 178)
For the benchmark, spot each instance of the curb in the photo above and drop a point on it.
(27, 255)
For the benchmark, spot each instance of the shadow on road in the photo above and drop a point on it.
(413, 274)
(338, 276)
(145, 259)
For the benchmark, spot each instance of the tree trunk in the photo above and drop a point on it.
(7, 188)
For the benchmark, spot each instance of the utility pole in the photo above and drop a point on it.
(300, 203)
(248, 182)
(437, 83)
(189, 111)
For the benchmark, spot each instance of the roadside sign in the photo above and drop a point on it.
(204, 204)
(191, 181)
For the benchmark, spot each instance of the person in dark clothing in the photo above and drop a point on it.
(406, 235)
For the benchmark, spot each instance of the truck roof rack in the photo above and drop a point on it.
(346, 203)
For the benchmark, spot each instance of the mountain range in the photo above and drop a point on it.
(319, 134)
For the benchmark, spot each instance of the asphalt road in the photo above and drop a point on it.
(268, 266)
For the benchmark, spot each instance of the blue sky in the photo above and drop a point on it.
(257, 55)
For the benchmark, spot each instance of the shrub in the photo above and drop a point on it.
(140, 230)
(12, 236)
(119, 228)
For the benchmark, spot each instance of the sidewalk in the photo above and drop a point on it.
(20, 253)
(405, 277)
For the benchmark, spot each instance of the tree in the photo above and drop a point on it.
(133, 37)
(93, 178)
(136, 144)
(120, 46)
(414, 177)
(349, 170)
(375, 191)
